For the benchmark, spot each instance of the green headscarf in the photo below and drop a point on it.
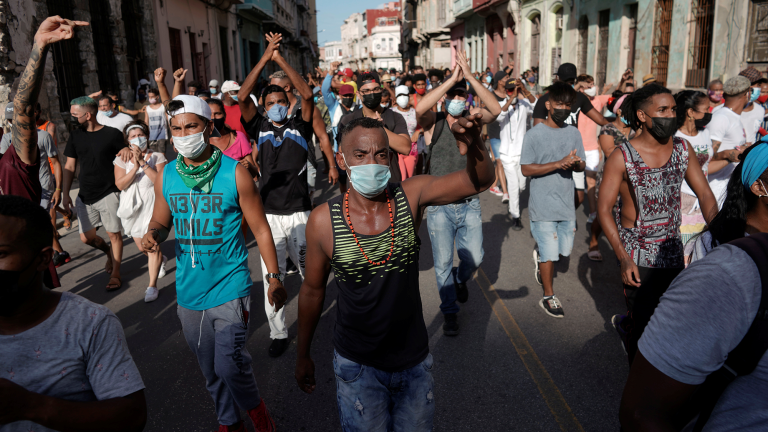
(200, 176)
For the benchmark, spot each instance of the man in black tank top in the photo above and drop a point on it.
(458, 222)
(368, 236)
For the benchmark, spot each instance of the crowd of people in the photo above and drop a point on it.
(677, 183)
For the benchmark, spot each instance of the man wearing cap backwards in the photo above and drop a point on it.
(370, 93)
(753, 114)
(454, 224)
(567, 74)
(213, 87)
(283, 148)
(369, 237)
(205, 196)
(729, 139)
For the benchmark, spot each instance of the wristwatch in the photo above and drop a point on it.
(278, 276)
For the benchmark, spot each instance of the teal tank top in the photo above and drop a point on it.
(211, 257)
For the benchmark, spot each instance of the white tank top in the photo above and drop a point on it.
(156, 122)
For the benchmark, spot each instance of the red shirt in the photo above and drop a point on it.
(233, 119)
(20, 179)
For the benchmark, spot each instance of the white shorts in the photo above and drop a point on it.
(593, 159)
(578, 180)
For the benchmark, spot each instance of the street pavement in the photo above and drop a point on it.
(512, 367)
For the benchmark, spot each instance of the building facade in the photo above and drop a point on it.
(332, 52)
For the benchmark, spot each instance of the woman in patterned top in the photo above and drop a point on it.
(611, 136)
(647, 172)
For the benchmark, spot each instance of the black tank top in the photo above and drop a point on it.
(379, 322)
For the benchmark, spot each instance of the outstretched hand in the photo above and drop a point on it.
(467, 131)
(55, 29)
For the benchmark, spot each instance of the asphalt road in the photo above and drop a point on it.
(511, 368)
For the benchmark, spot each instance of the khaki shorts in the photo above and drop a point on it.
(101, 213)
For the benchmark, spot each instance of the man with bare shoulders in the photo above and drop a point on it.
(646, 232)
(368, 236)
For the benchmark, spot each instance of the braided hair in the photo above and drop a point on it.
(638, 100)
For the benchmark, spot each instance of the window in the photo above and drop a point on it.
(441, 13)
(67, 66)
(103, 46)
(702, 14)
(583, 43)
(632, 36)
(535, 33)
(602, 47)
(132, 20)
(223, 47)
(757, 42)
(661, 35)
(177, 60)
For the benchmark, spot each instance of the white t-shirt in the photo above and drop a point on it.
(702, 145)
(118, 122)
(727, 128)
(752, 120)
(514, 124)
(137, 224)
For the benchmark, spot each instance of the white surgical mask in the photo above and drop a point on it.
(140, 142)
(402, 101)
(190, 146)
(591, 92)
(152, 101)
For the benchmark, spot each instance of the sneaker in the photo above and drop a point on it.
(536, 270)
(290, 267)
(262, 421)
(60, 259)
(496, 191)
(616, 322)
(505, 198)
(591, 218)
(552, 306)
(239, 427)
(517, 224)
(278, 347)
(151, 294)
(162, 268)
(451, 325)
(462, 293)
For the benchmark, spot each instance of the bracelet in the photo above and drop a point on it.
(57, 189)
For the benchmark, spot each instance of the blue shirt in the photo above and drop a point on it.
(208, 235)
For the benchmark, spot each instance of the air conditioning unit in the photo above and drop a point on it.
(559, 23)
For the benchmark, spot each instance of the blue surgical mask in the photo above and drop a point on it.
(531, 79)
(108, 113)
(455, 107)
(623, 120)
(755, 94)
(488, 79)
(368, 180)
(213, 90)
(277, 113)
(234, 98)
(315, 99)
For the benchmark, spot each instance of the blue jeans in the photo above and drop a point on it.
(495, 146)
(371, 400)
(460, 225)
(553, 238)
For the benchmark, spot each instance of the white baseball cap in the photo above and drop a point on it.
(401, 90)
(229, 86)
(213, 83)
(192, 104)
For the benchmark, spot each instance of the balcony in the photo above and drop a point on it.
(256, 10)
(303, 5)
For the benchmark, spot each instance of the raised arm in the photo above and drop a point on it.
(307, 101)
(24, 130)
(328, 96)
(178, 81)
(160, 81)
(492, 107)
(597, 117)
(318, 125)
(425, 117)
(247, 107)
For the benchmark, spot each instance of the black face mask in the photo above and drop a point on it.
(347, 102)
(372, 100)
(219, 123)
(559, 116)
(703, 122)
(663, 127)
(12, 293)
(75, 124)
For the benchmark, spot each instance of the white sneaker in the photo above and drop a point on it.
(162, 271)
(505, 198)
(151, 294)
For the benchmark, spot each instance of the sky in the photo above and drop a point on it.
(332, 13)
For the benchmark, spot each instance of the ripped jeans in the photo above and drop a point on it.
(372, 400)
(553, 238)
(289, 235)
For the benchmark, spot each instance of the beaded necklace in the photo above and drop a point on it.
(391, 224)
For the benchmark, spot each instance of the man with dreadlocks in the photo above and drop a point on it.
(647, 174)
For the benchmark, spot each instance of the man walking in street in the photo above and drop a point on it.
(647, 174)
(205, 196)
(368, 236)
(95, 146)
(454, 225)
(283, 145)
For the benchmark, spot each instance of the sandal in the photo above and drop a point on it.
(595, 255)
(114, 286)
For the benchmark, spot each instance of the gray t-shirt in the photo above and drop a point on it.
(703, 315)
(79, 354)
(47, 149)
(551, 197)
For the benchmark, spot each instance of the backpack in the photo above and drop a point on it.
(743, 359)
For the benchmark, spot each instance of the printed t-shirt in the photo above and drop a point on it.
(702, 145)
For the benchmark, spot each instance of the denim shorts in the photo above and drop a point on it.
(553, 238)
(495, 147)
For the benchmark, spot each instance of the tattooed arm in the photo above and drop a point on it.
(24, 131)
(729, 155)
